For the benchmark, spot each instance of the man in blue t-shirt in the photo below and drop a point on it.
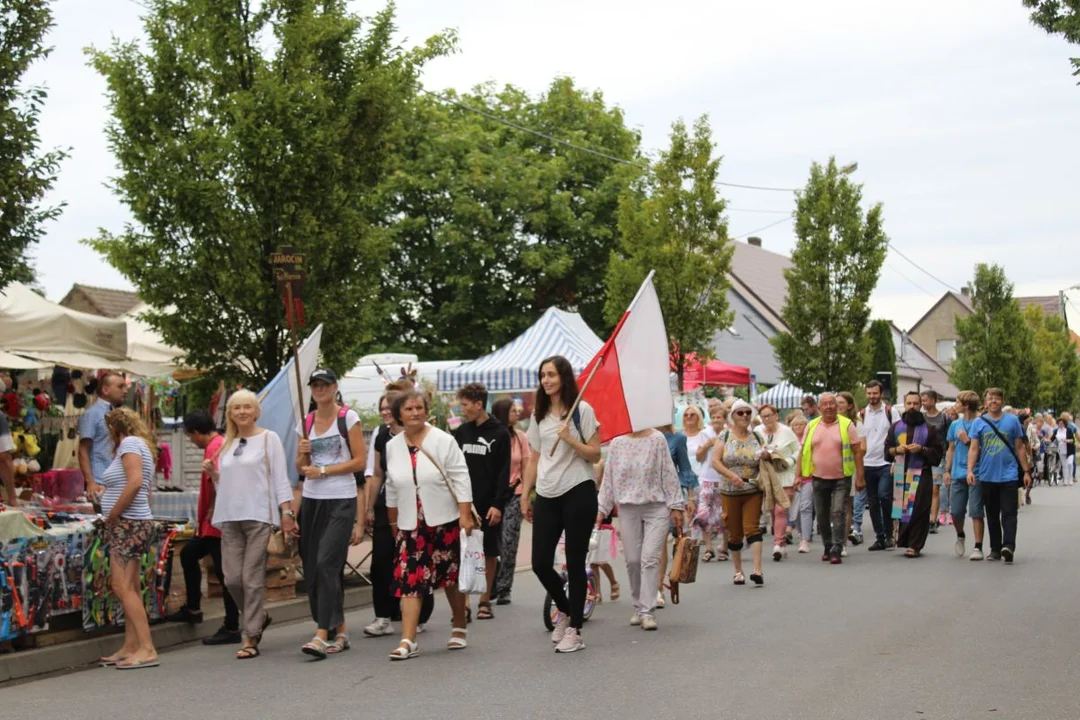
(996, 459)
(964, 499)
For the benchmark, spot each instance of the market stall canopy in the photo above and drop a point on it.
(513, 367)
(32, 326)
(783, 395)
(17, 362)
(147, 353)
(713, 372)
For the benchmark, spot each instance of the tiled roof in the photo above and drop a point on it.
(761, 272)
(913, 362)
(107, 302)
(1050, 304)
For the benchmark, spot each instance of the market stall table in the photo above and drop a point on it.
(175, 505)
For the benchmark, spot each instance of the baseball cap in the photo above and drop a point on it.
(325, 375)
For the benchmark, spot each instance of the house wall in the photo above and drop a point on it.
(749, 345)
(940, 324)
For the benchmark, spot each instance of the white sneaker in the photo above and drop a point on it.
(804, 547)
(976, 555)
(777, 553)
(660, 602)
(559, 632)
(571, 641)
(843, 551)
(648, 622)
(381, 626)
(959, 548)
(635, 619)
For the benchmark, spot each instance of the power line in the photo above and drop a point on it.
(567, 143)
(921, 268)
(766, 212)
(917, 285)
(766, 227)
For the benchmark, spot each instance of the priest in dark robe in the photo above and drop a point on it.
(915, 448)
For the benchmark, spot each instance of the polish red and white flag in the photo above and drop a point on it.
(631, 389)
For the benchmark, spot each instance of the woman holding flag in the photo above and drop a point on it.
(564, 443)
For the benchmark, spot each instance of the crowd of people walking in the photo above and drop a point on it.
(734, 474)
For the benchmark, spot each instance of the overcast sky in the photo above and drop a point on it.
(962, 116)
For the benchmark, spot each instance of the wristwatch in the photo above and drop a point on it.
(322, 471)
(290, 513)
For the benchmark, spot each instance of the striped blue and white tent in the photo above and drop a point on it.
(513, 367)
(783, 395)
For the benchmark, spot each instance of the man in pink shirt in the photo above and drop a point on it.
(834, 459)
(199, 427)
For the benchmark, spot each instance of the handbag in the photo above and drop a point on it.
(684, 559)
(278, 545)
(446, 481)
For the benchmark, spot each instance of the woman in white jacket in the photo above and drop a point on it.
(783, 445)
(429, 501)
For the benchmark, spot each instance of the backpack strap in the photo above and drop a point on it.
(309, 422)
(577, 423)
(342, 427)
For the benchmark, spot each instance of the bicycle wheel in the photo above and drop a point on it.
(551, 612)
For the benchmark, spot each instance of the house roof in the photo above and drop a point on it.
(913, 362)
(1050, 304)
(759, 277)
(107, 302)
(964, 300)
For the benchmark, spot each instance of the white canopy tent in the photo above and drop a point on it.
(513, 367)
(364, 385)
(147, 353)
(34, 327)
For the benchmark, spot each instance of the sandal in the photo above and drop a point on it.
(468, 615)
(405, 650)
(740, 579)
(616, 591)
(757, 578)
(458, 642)
(317, 648)
(912, 553)
(722, 556)
(708, 556)
(266, 623)
(483, 611)
(341, 644)
(248, 653)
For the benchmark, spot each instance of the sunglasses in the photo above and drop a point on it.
(742, 413)
(240, 447)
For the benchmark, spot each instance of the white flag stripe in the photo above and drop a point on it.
(644, 366)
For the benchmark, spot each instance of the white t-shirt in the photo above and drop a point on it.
(566, 470)
(707, 473)
(243, 490)
(329, 448)
(875, 428)
(693, 444)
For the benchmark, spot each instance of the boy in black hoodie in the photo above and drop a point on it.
(486, 444)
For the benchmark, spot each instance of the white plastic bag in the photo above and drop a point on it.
(607, 549)
(472, 578)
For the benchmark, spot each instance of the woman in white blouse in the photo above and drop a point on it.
(429, 500)
(253, 496)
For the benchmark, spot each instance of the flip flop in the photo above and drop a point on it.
(106, 662)
(248, 653)
(138, 665)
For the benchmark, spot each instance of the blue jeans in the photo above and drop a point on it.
(879, 499)
(858, 510)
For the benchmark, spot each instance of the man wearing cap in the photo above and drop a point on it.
(833, 456)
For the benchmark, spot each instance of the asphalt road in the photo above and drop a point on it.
(879, 637)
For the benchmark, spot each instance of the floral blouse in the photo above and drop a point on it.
(741, 457)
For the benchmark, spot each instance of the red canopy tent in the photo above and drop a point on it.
(713, 372)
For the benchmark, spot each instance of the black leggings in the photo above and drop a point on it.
(573, 512)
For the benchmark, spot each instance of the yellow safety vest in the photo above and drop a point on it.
(845, 438)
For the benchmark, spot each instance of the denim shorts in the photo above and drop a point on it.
(964, 496)
(939, 475)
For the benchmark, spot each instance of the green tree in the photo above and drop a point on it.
(492, 224)
(242, 127)
(1057, 365)
(835, 267)
(672, 221)
(1058, 17)
(994, 345)
(883, 353)
(26, 173)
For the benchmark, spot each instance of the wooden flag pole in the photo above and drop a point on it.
(577, 401)
(290, 315)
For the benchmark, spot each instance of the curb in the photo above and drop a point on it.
(27, 665)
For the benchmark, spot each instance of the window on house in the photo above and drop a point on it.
(946, 351)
